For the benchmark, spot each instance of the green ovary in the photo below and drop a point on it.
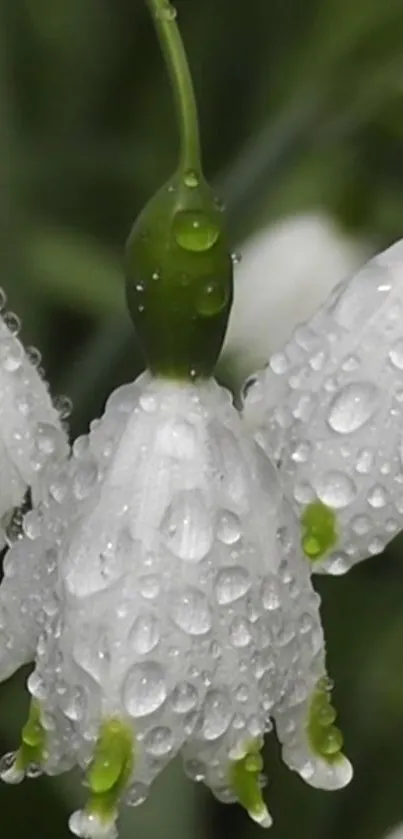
(324, 737)
(245, 782)
(319, 533)
(33, 740)
(110, 769)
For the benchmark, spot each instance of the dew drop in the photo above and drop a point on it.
(217, 714)
(335, 489)
(352, 407)
(194, 231)
(396, 355)
(191, 179)
(159, 741)
(144, 634)
(144, 690)
(191, 612)
(12, 322)
(187, 526)
(63, 406)
(239, 632)
(11, 354)
(136, 795)
(167, 12)
(377, 497)
(184, 698)
(270, 595)
(211, 298)
(231, 583)
(228, 528)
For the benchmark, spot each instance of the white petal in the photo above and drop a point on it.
(164, 534)
(286, 272)
(30, 429)
(329, 410)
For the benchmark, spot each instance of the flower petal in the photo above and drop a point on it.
(329, 410)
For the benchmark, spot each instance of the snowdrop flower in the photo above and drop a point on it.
(31, 435)
(329, 410)
(287, 271)
(161, 587)
(179, 618)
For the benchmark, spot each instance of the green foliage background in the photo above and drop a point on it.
(301, 108)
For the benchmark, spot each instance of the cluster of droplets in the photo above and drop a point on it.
(329, 409)
(171, 602)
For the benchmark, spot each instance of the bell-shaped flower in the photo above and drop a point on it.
(329, 410)
(178, 615)
(33, 443)
(30, 428)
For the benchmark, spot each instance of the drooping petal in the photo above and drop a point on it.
(30, 427)
(329, 409)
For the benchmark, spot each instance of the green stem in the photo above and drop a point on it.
(175, 56)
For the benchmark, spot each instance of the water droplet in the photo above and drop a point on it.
(63, 406)
(231, 583)
(191, 179)
(148, 402)
(364, 461)
(11, 354)
(228, 528)
(195, 770)
(353, 406)
(32, 524)
(34, 356)
(12, 322)
(187, 526)
(377, 496)
(144, 689)
(239, 632)
(236, 258)
(184, 698)
(159, 741)
(176, 438)
(167, 12)
(194, 231)
(335, 489)
(144, 634)
(270, 594)
(191, 612)
(301, 452)
(279, 363)
(217, 714)
(212, 297)
(149, 586)
(396, 355)
(136, 794)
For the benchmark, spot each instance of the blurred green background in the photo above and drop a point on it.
(301, 105)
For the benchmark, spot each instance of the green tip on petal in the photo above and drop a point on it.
(180, 278)
(110, 769)
(33, 740)
(319, 533)
(325, 738)
(245, 782)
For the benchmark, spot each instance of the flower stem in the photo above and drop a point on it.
(164, 17)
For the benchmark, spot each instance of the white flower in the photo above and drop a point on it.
(30, 428)
(329, 410)
(32, 444)
(287, 271)
(179, 616)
